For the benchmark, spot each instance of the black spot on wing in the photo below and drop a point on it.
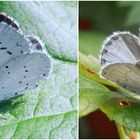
(3, 48)
(6, 67)
(18, 45)
(104, 73)
(35, 42)
(9, 52)
(103, 61)
(109, 43)
(105, 51)
(6, 19)
(38, 47)
(116, 37)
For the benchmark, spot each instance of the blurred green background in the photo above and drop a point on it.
(98, 20)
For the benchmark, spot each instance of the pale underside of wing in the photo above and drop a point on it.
(22, 60)
(12, 44)
(121, 47)
(22, 73)
(126, 75)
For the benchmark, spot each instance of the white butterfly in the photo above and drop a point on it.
(22, 60)
(120, 60)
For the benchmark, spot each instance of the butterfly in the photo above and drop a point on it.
(120, 60)
(23, 62)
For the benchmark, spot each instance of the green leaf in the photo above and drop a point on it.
(119, 104)
(56, 95)
(92, 95)
(50, 110)
(89, 61)
(56, 126)
(127, 115)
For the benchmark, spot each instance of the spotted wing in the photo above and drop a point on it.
(22, 61)
(12, 41)
(22, 73)
(126, 75)
(121, 47)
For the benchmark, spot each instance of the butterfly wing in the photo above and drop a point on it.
(22, 73)
(9, 21)
(12, 41)
(34, 43)
(121, 47)
(22, 62)
(126, 75)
